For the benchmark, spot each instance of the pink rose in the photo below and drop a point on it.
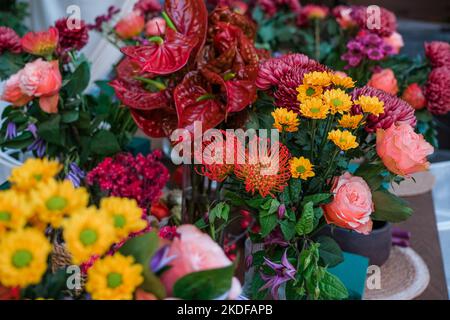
(352, 204)
(413, 94)
(130, 26)
(42, 79)
(384, 80)
(195, 251)
(395, 40)
(155, 27)
(402, 150)
(12, 92)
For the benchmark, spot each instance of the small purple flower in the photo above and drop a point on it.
(160, 259)
(375, 54)
(38, 146)
(33, 129)
(283, 273)
(11, 131)
(75, 174)
(355, 46)
(275, 237)
(281, 211)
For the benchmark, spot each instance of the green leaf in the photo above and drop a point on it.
(288, 229)
(329, 251)
(389, 207)
(221, 211)
(142, 247)
(10, 64)
(316, 199)
(22, 141)
(50, 130)
(271, 205)
(255, 203)
(204, 285)
(152, 283)
(233, 198)
(70, 116)
(78, 80)
(332, 288)
(306, 223)
(295, 189)
(268, 222)
(104, 143)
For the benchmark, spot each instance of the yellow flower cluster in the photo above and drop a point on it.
(285, 121)
(371, 105)
(37, 201)
(301, 168)
(345, 140)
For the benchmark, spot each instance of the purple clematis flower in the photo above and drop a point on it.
(33, 129)
(11, 131)
(38, 146)
(160, 259)
(283, 273)
(75, 174)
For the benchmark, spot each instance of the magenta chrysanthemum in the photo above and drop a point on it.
(9, 40)
(437, 90)
(438, 52)
(147, 6)
(285, 74)
(71, 37)
(271, 7)
(367, 20)
(395, 110)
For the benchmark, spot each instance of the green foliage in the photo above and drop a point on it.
(389, 207)
(329, 251)
(306, 223)
(52, 286)
(204, 285)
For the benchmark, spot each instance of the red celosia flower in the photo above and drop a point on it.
(437, 90)
(73, 35)
(438, 52)
(266, 176)
(42, 43)
(168, 233)
(395, 110)
(141, 178)
(367, 20)
(9, 41)
(413, 94)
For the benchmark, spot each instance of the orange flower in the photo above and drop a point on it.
(413, 94)
(41, 43)
(12, 92)
(42, 79)
(268, 174)
(384, 80)
(130, 26)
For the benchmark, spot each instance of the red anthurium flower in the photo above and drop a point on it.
(164, 56)
(157, 123)
(41, 43)
(190, 18)
(240, 94)
(195, 101)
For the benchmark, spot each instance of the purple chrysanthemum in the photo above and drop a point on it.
(396, 110)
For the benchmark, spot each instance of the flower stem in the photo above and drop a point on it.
(317, 38)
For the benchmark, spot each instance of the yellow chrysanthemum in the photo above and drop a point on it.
(114, 278)
(23, 257)
(350, 122)
(53, 201)
(317, 78)
(33, 172)
(301, 168)
(285, 121)
(307, 92)
(87, 233)
(343, 139)
(342, 81)
(314, 108)
(14, 211)
(338, 101)
(126, 214)
(371, 105)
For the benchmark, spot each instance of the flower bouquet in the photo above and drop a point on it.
(303, 183)
(49, 115)
(53, 245)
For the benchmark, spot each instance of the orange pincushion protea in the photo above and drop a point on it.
(266, 176)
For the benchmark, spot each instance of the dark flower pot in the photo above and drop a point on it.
(376, 246)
